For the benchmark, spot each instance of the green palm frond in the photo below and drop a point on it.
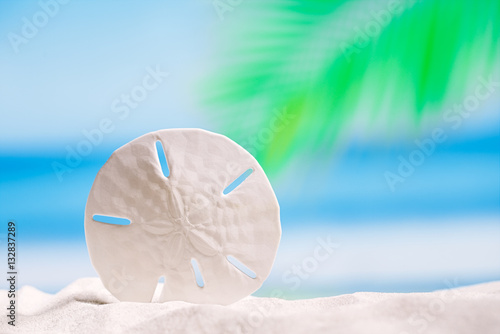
(333, 63)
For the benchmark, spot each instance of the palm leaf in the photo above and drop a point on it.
(302, 56)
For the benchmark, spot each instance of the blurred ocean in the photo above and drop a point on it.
(441, 224)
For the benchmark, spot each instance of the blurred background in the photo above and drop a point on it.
(377, 123)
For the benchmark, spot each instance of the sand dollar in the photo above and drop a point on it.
(186, 204)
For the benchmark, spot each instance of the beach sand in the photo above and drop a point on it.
(85, 306)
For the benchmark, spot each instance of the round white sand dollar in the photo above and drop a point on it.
(209, 223)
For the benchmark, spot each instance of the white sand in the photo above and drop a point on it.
(86, 307)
